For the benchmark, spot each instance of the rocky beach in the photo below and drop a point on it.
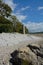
(10, 42)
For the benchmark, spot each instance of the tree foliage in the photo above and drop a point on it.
(5, 10)
(5, 25)
(3, 20)
(18, 26)
(12, 25)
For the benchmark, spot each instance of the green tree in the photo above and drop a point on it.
(14, 21)
(5, 10)
(17, 25)
(5, 25)
(13, 25)
(26, 30)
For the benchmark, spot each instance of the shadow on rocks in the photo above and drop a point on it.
(15, 60)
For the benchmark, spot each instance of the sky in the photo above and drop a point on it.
(29, 12)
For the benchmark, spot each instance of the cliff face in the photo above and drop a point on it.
(32, 54)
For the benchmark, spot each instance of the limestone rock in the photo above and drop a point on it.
(32, 53)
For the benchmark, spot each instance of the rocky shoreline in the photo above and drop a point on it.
(10, 43)
(33, 53)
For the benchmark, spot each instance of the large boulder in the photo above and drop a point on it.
(33, 53)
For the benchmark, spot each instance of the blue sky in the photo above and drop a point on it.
(29, 12)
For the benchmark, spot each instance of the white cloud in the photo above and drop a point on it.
(11, 4)
(34, 27)
(25, 8)
(19, 16)
(40, 8)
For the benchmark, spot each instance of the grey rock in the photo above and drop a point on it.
(32, 52)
